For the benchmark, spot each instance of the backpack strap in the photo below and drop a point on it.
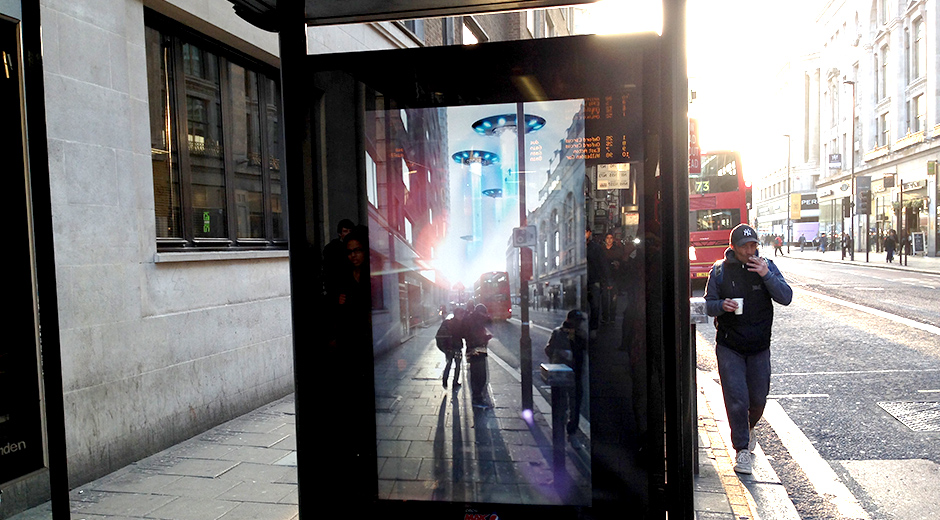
(718, 271)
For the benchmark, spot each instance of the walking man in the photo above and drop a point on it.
(450, 341)
(476, 337)
(740, 293)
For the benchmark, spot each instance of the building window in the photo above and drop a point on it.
(416, 27)
(372, 180)
(919, 50)
(884, 131)
(883, 76)
(919, 111)
(215, 144)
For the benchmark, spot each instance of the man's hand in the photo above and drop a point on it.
(756, 264)
(729, 305)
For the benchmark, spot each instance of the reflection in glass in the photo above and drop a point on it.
(204, 139)
(164, 153)
(273, 137)
(246, 152)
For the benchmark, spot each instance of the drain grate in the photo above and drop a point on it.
(919, 416)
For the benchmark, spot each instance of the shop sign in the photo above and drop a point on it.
(613, 176)
(835, 161)
(809, 202)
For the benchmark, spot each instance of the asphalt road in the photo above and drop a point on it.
(856, 367)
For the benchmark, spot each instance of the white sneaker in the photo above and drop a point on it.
(742, 463)
(751, 441)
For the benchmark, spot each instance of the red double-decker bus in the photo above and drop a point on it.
(719, 199)
(492, 290)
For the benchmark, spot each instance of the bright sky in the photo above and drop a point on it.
(736, 49)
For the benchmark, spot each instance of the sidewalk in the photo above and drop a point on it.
(432, 445)
(918, 263)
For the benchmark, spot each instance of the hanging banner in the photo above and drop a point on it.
(695, 152)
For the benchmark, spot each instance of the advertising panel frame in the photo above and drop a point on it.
(324, 179)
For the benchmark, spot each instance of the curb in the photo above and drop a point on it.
(742, 504)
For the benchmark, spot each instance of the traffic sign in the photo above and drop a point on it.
(524, 236)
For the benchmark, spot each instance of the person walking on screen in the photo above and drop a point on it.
(477, 337)
(449, 339)
(740, 293)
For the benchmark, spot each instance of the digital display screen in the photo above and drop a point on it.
(451, 322)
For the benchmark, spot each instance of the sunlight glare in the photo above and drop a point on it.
(620, 17)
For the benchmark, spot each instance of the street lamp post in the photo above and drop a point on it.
(852, 175)
(789, 196)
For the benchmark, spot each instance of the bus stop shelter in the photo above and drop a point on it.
(330, 104)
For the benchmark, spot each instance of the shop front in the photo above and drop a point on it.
(833, 215)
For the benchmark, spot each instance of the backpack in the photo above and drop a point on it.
(558, 348)
(717, 271)
(444, 337)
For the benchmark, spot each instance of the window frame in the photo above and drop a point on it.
(175, 36)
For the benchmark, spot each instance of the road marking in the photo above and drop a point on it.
(929, 391)
(531, 325)
(816, 469)
(857, 372)
(794, 396)
(874, 312)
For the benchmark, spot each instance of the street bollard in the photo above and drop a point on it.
(560, 377)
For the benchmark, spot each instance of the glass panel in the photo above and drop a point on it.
(719, 175)
(273, 121)
(204, 140)
(24, 477)
(484, 160)
(246, 152)
(163, 142)
(715, 219)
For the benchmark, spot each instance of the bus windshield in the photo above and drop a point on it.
(715, 219)
(719, 175)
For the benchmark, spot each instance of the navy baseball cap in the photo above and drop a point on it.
(742, 234)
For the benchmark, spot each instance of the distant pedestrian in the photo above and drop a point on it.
(351, 297)
(334, 254)
(802, 241)
(567, 345)
(613, 253)
(742, 341)
(822, 243)
(891, 243)
(778, 246)
(596, 278)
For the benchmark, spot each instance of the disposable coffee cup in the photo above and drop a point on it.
(740, 302)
